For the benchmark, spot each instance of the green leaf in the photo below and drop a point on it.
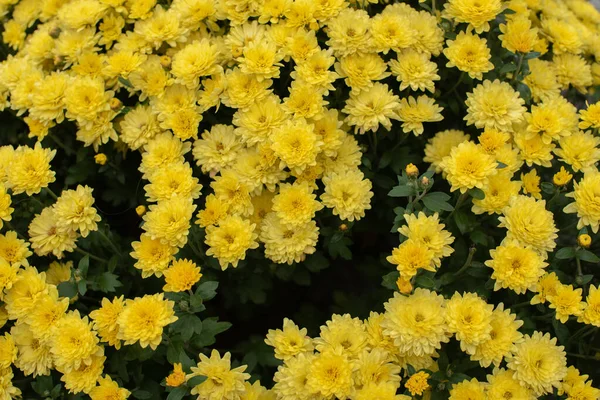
(425, 282)
(437, 201)
(566, 253)
(561, 331)
(108, 282)
(508, 68)
(207, 290)
(196, 380)
(500, 165)
(83, 265)
(547, 187)
(464, 221)
(588, 256)
(316, 262)
(125, 82)
(385, 160)
(67, 289)
(459, 377)
(477, 193)
(585, 279)
(178, 393)
(402, 191)
(531, 55)
(389, 280)
(82, 287)
(524, 91)
(446, 279)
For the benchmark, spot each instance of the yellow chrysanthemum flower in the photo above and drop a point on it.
(429, 231)
(469, 53)
(230, 240)
(413, 112)
(330, 375)
(289, 341)
(169, 220)
(440, 146)
(348, 194)
(369, 108)
(415, 70)
(106, 320)
(29, 170)
(73, 343)
(566, 301)
(182, 275)
(472, 389)
(469, 318)
(417, 383)
(221, 382)
(468, 166)
(586, 194)
(516, 267)
(494, 105)
(517, 35)
(476, 13)
(502, 385)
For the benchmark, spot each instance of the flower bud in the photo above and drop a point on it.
(584, 240)
(412, 171)
(100, 158)
(115, 104)
(140, 210)
(404, 285)
(165, 61)
(425, 181)
(343, 227)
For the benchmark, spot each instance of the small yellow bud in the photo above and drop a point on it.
(177, 377)
(425, 181)
(412, 171)
(404, 285)
(584, 240)
(115, 104)
(165, 61)
(140, 210)
(343, 227)
(562, 177)
(54, 32)
(100, 158)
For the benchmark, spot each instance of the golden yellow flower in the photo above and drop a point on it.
(494, 105)
(176, 377)
(222, 382)
(289, 341)
(476, 13)
(562, 177)
(417, 383)
(469, 53)
(518, 35)
(182, 275)
(468, 166)
(586, 194)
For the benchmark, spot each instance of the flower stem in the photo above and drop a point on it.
(110, 242)
(93, 257)
(458, 82)
(468, 262)
(51, 193)
(521, 57)
(12, 228)
(459, 202)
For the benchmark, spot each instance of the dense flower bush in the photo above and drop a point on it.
(299, 199)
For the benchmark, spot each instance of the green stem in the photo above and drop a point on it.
(51, 193)
(12, 228)
(459, 202)
(90, 255)
(110, 242)
(521, 57)
(458, 82)
(433, 8)
(518, 305)
(583, 357)
(61, 144)
(467, 263)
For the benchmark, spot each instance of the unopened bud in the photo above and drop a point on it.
(100, 158)
(165, 61)
(584, 240)
(55, 32)
(343, 227)
(115, 104)
(412, 171)
(140, 210)
(404, 285)
(425, 181)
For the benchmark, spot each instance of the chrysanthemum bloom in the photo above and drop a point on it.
(391, 31)
(416, 323)
(417, 383)
(572, 378)
(163, 150)
(106, 320)
(469, 317)
(217, 149)
(472, 389)
(8, 351)
(586, 194)
(229, 241)
(177, 180)
(544, 120)
(74, 210)
(542, 80)
(5, 208)
(74, 343)
(84, 378)
(289, 341)
(538, 363)
(295, 204)
(221, 382)
(177, 377)
(34, 356)
(195, 60)
(529, 223)
(591, 310)
(344, 333)
(546, 287)
(29, 170)
(415, 70)
(152, 255)
(348, 32)
(369, 108)
(348, 156)
(8, 390)
(469, 53)
(410, 257)
(502, 385)
(494, 105)
(296, 144)
(516, 267)
(379, 391)
(476, 13)
(143, 319)
(138, 127)
(8, 276)
(566, 301)
(287, 244)
(243, 90)
(504, 334)
(374, 366)
(256, 123)
(440, 145)
(47, 312)
(169, 220)
(214, 210)
(182, 275)
(517, 35)
(330, 375)
(304, 101)
(468, 166)
(583, 391)
(428, 230)
(291, 378)
(533, 150)
(108, 389)
(498, 193)
(360, 70)
(580, 150)
(315, 71)
(413, 112)
(563, 35)
(48, 98)
(574, 70)
(348, 194)
(590, 117)
(29, 288)
(531, 184)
